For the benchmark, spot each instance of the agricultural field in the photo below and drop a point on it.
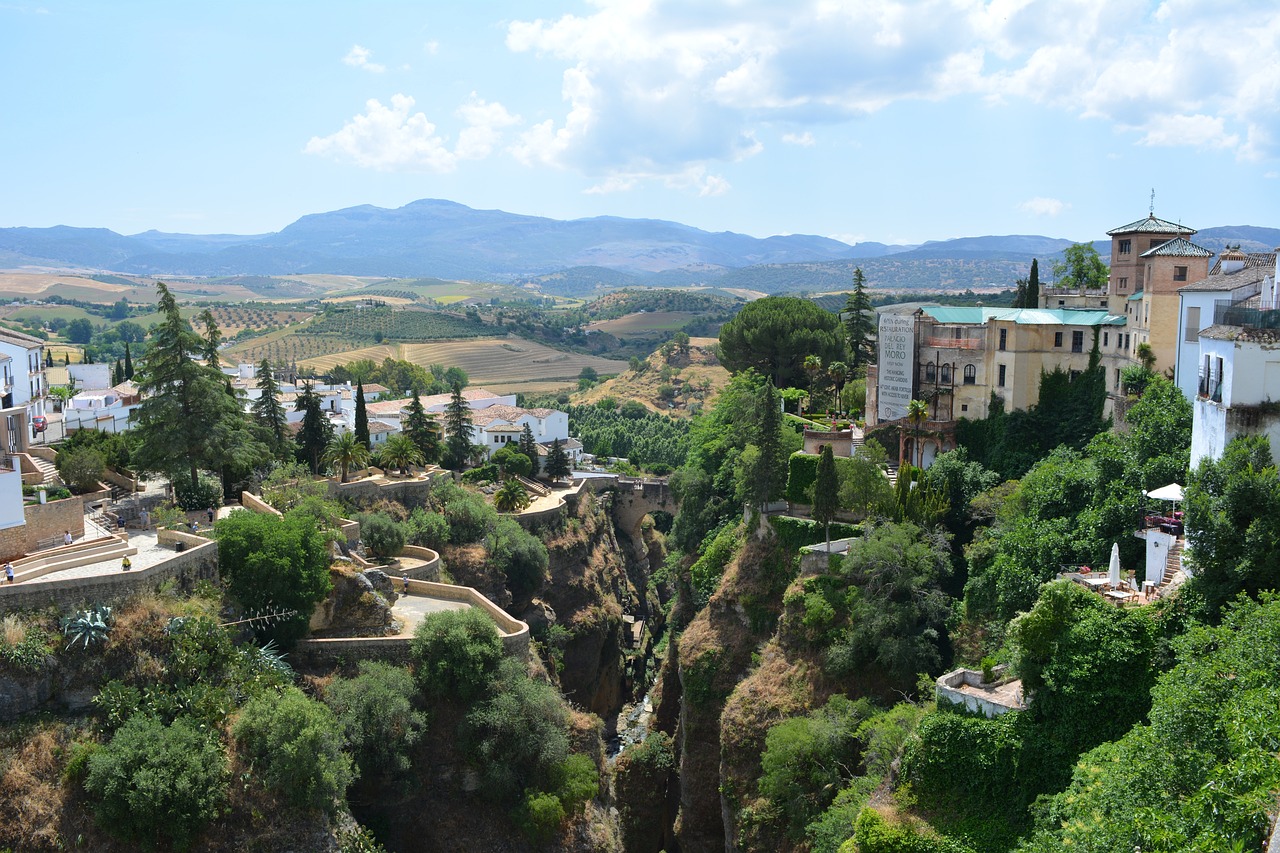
(643, 323)
(500, 364)
(287, 345)
(398, 324)
(233, 319)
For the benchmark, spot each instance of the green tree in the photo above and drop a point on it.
(1033, 286)
(860, 325)
(382, 535)
(422, 430)
(1080, 267)
(187, 421)
(826, 493)
(81, 468)
(519, 555)
(455, 653)
(458, 430)
(513, 462)
(267, 410)
(375, 712)
(529, 447)
(271, 563)
(557, 465)
(212, 339)
(345, 452)
(917, 414)
(295, 746)
(774, 335)
(155, 783)
(512, 497)
(399, 451)
(128, 363)
(362, 417)
(316, 432)
(79, 331)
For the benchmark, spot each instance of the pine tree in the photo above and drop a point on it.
(860, 325)
(362, 417)
(826, 487)
(422, 430)
(457, 423)
(186, 422)
(267, 410)
(316, 433)
(769, 474)
(128, 363)
(212, 338)
(528, 447)
(557, 462)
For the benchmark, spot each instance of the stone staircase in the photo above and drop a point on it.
(47, 469)
(533, 487)
(891, 470)
(1172, 566)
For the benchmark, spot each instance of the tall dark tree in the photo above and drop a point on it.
(457, 425)
(1033, 286)
(128, 363)
(186, 421)
(212, 338)
(267, 409)
(764, 462)
(117, 373)
(316, 433)
(422, 431)
(557, 467)
(362, 417)
(860, 325)
(826, 493)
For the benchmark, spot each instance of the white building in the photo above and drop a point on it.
(90, 376)
(1238, 386)
(22, 367)
(499, 425)
(1235, 280)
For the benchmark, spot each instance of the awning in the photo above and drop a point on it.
(1171, 492)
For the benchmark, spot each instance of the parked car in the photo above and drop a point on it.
(39, 423)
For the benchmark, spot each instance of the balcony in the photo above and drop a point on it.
(1210, 387)
(1252, 313)
(955, 343)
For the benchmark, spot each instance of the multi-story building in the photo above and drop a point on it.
(1153, 311)
(1237, 284)
(24, 389)
(1130, 270)
(956, 358)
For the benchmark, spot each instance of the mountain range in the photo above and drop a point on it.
(443, 239)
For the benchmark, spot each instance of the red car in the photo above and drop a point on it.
(39, 423)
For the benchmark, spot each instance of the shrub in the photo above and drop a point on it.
(381, 535)
(540, 816)
(470, 517)
(520, 556)
(155, 782)
(455, 652)
(376, 716)
(81, 468)
(487, 473)
(25, 647)
(206, 492)
(575, 782)
(296, 748)
(427, 528)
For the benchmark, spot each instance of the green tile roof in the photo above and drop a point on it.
(1023, 316)
(1152, 225)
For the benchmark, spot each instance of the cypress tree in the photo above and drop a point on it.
(529, 447)
(362, 417)
(457, 423)
(1033, 285)
(315, 434)
(826, 487)
(860, 325)
(117, 373)
(420, 427)
(128, 363)
(771, 475)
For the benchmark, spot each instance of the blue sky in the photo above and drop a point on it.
(871, 120)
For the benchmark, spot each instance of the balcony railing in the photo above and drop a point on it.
(1251, 312)
(1210, 387)
(955, 343)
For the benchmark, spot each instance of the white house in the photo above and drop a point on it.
(22, 362)
(90, 376)
(499, 425)
(1238, 386)
(1222, 297)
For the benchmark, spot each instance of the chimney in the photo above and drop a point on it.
(1231, 260)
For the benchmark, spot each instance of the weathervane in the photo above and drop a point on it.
(1152, 209)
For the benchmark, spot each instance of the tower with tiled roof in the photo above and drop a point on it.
(1128, 243)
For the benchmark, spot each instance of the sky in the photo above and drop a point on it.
(873, 120)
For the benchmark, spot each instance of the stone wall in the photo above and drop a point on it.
(42, 522)
(250, 501)
(194, 564)
(430, 568)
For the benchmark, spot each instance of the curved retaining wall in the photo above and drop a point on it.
(430, 567)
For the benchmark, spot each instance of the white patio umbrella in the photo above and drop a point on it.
(1171, 492)
(1113, 572)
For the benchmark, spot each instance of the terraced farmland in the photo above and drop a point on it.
(232, 319)
(497, 363)
(643, 323)
(290, 344)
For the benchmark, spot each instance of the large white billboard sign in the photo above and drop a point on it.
(897, 364)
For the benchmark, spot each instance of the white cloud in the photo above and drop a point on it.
(655, 88)
(358, 57)
(484, 125)
(432, 47)
(802, 139)
(1040, 206)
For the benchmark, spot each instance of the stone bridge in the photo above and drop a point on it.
(636, 498)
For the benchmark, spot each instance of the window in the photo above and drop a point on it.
(1000, 380)
(1106, 339)
(1126, 246)
(964, 407)
(1057, 339)
(1117, 379)
(1155, 243)
(929, 372)
(1061, 302)
(1077, 341)
(1124, 282)
(1191, 333)
(1004, 338)
(946, 374)
(1126, 341)
(970, 375)
(1179, 273)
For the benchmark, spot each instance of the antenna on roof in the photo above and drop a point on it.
(1152, 209)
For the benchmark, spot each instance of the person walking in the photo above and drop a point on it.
(8, 572)
(66, 537)
(211, 515)
(405, 578)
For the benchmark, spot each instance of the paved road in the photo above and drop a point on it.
(412, 609)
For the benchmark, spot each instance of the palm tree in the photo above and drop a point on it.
(917, 414)
(347, 452)
(399, 451)
(839, 372)
(1147, 356)
(512, 497)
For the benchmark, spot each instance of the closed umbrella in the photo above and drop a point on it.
(1113, 572)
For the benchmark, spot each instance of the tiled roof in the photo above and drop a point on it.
(387, 407)
(1218, 280)
(507, 413)
(471, 395)
(1152, 225)
(19, 338)
(1237, 333)
(376, 427)
(1178, 247)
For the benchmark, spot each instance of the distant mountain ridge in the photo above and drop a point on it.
(444, 239)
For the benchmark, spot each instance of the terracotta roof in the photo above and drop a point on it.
(1152, 225)
(1178, 247)
(1237, 333)
(507, 413)
(1253, 272)
(471, 395)
(376, 427)
(20, 338)
(387, 407)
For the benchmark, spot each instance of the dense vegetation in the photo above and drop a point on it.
(631, 431)
(397, 324)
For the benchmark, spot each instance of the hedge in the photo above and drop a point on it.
(802, 470)
(795, 533)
